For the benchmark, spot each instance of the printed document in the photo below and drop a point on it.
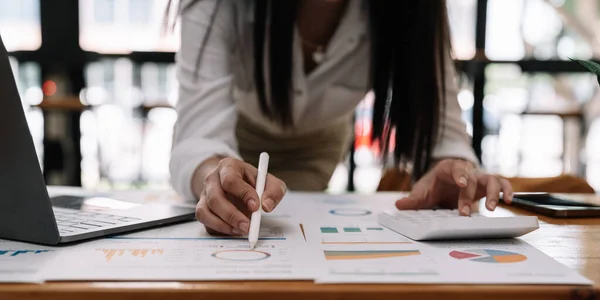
(188, 252)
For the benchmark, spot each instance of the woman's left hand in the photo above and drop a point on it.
(455, 183)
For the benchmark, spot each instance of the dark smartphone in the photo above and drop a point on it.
(558, 205)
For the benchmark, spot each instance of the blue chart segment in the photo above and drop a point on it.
(350, 212)
(13, 253)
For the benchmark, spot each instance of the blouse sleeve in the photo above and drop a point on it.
(453, 140)
(206, 114)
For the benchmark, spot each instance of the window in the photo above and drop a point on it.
(104, 11)
(526, 115)
(126, 137)
(542, 30)
(20, 24)
(123, 26)
(462, 18)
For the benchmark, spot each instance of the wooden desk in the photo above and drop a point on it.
(575, 243)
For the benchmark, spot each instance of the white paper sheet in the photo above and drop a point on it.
(187, 252)
(21, 262)
(366, 253)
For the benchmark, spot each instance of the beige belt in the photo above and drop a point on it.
(304, 162)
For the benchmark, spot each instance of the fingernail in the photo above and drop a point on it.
(244, 227)
(252, 204)
(466, 210)
(462, 180)
(493, 204)
(236, 232)
(269, 204)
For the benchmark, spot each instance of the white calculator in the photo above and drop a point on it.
(447, 224)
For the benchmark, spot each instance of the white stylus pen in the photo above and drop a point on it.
(261, 178)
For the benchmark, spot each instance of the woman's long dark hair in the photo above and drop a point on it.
(409, 51)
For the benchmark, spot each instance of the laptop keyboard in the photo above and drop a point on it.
(74, 221)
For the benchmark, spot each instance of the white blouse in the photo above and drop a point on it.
(212, 96)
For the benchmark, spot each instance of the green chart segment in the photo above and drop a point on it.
(329, 230)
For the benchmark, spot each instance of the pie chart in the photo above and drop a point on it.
(488, 256)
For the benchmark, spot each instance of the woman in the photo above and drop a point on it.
(285, 76)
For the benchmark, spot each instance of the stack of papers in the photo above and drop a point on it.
(323, 238)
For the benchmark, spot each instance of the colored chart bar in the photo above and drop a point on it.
(367, 254)
(13, 253)
(329, 230)
(375, 228)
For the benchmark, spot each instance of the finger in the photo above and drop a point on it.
(466, 195)
(275, 190)
(250, 174)
(220, 206)
(410, 202)
(492, 192)
(507, 190)
(212, 223)
(233, 183)
(460, 172)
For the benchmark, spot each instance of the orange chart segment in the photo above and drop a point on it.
(367, 254)
(510, 258)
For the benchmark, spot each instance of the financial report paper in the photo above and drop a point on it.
(370, 253)
(188, 252)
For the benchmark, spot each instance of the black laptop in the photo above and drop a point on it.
(28, 214)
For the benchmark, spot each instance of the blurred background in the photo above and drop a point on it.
(97, 81)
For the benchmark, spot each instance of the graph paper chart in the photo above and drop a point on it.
(359, 235)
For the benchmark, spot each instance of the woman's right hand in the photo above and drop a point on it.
(227, 195)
